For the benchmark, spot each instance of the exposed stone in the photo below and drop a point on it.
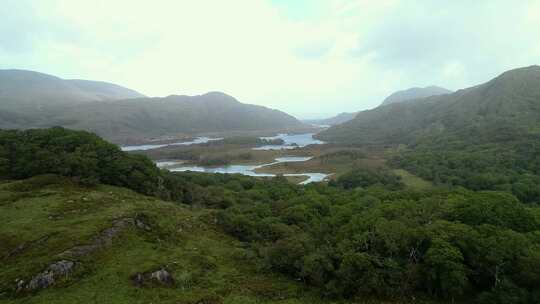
(141, 225)
(52, 274)
(161, 277)
(138, 279)
(104, 239)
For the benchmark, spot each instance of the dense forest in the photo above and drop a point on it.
(363, 235)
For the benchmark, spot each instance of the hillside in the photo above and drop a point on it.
(397, 97)
(336, 120)
(35, 100)
(112, 234)
(154, 117)
(511, 101)
(414, 93)
(482, 138)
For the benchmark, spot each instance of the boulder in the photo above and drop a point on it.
(160, 277)
(49, 276)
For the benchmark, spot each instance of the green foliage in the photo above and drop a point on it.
(369, 177)
(365, 236)
(483, 138)
(365, 242)
(83, 156)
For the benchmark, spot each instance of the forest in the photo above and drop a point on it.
(363, 235)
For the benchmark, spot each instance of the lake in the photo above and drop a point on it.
(196, 141)
(248, 170)
(291, 141)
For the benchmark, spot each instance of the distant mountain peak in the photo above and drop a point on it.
(415, 93)
(41, 89)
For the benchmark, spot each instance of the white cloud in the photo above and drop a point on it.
(347, 58)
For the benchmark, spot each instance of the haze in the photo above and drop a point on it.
(308, 58)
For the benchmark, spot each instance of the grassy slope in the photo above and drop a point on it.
(205, 263)
(413, 181)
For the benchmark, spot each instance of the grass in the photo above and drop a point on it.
(413, 181)
(206, 264)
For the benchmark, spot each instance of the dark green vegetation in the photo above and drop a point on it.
(34, 100)
(484, 138)
(364, 236)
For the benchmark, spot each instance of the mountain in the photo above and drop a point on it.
(40, 89)
(397, 97)
(336, 120)
(414, 93)
(510, 101)
(154, 117)
(34, 100)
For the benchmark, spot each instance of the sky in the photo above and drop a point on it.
(310, 58)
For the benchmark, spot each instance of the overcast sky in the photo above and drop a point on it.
(307, 57)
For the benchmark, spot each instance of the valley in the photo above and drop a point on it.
(433, 199)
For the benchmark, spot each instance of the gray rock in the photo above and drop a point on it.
(163, 277)
(141, 225)
(52, 274)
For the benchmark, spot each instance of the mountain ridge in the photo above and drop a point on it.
(41, 89)
(414, 93)
(512, 97)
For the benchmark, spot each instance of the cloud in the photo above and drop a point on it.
(305, 57)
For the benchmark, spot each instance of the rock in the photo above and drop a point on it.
(104, 239)
(163, 277)
(138, 279)
(52, 274)
(142, 225)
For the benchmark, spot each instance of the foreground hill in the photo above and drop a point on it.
(35, 100)
(105, 237)
(414, 93)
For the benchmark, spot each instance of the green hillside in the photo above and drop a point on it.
(484, 138)
(112, 234)
(509, 102)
